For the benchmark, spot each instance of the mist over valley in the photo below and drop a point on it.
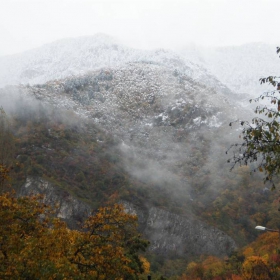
(98, 122)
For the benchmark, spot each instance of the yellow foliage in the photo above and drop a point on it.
(214, 266)
(146, 264)
(248, 252)
(191, 266)
(35, 245)
(194, 271)
(256, 268)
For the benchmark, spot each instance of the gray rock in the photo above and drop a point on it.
(173, 234)
(67, 207)
(169, 234)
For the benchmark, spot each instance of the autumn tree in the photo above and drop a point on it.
(36, 245)
(257, 261)
(261, 258)
(109, 246)
(260, 144)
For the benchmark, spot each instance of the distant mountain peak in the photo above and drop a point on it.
(76, 56)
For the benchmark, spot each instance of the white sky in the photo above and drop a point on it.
(25, 24)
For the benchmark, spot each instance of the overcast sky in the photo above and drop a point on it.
(25, 24)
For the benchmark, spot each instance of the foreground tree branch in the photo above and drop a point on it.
(260, 146)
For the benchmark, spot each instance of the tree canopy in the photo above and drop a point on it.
(34, 244)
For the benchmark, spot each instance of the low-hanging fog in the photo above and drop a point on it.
(130, 102)
(170, 117)
(161, 78)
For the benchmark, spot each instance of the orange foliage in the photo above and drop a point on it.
(35, 245)
(256, 268)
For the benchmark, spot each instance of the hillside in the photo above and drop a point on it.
(67, 157)
(170, 132)
(162, 118)
(98, 122)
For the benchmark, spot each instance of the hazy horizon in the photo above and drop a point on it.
(28, 24)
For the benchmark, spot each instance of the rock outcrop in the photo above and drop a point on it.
(169, 234)
(67, 207)
(172, 234)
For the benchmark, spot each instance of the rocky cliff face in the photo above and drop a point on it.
(176, 235)
(169, 234)
(67, 207)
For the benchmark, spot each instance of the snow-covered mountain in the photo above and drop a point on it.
(160, 105)
(238, 67)
(169, 125)
(171, 132)
(76, 56)
(169, 115)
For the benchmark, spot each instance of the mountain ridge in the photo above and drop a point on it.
(76, 56)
